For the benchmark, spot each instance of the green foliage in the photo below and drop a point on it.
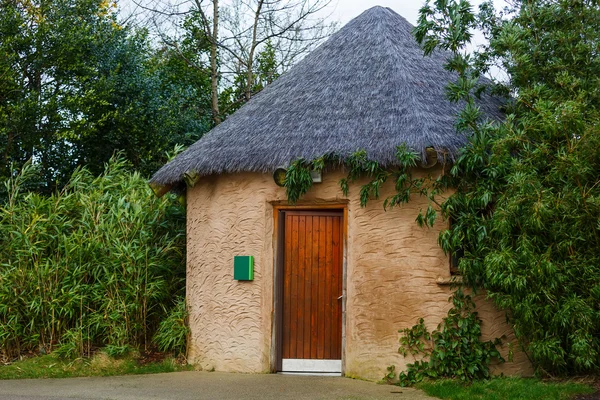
(266, 71)
(359, 165)
(267, 65)
(75, 86)
(454, 350)
(118, 351)
(526, 211)
(504, 389)
(54, 366)
(298, 180)
(89, 266)
(173, 331)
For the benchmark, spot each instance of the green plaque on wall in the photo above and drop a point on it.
(243, 268)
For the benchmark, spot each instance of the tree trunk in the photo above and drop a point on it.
(214, 72)
(250, 64)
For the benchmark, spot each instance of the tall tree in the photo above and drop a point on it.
(233, 96)
(76, 86)
(237, 33)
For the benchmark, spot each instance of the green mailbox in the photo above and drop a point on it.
(243, 268)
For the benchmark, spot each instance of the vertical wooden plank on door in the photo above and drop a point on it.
(285, 348)
(335, 292)
(314, 306)
(322, 273)
(327, 284)
(300, 267)
(294, 288)
(308, 287)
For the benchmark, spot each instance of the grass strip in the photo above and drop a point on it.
(505, 389)
(52, 366)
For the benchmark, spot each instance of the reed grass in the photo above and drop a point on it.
(98, 264)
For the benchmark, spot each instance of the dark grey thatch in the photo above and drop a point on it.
(368, 87)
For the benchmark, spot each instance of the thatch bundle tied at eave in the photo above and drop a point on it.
(368, 87)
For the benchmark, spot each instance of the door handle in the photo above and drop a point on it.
(340, 297)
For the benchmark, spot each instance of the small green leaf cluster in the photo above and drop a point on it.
(453, 350)
(359, 165)
(298, 180)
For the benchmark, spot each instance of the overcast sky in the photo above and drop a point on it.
(345, 10)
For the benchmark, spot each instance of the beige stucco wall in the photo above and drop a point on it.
(392, 264)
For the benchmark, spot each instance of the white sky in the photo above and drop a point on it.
(345, 10)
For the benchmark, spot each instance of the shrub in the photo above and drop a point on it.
(173, 331)
(89, 266)
(527, 203)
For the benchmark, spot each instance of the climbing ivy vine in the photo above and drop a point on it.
(453, 350)
(358, 166)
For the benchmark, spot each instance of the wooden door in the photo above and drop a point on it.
(312, 285)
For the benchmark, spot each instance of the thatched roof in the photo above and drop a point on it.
(368, 87)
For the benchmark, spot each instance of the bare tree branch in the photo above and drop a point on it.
(237, 31)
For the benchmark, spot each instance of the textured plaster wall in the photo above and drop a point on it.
(393, 268)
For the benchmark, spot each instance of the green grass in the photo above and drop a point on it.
(504, 389)
(51, 366)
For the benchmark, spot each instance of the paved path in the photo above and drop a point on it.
(202, 385)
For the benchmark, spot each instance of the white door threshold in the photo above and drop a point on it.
(311, 366)
(333, 374)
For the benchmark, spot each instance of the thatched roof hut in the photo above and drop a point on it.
(369, 87)
(322, 285)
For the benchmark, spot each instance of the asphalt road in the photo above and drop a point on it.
(202, 385)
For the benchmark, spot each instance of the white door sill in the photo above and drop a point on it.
(333, 374)
(311, 366)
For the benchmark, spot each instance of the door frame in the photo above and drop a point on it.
(278, 251)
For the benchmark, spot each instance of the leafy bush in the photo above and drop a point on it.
(89, 266)
(116, 351)
(527, 205)
(173, 330)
